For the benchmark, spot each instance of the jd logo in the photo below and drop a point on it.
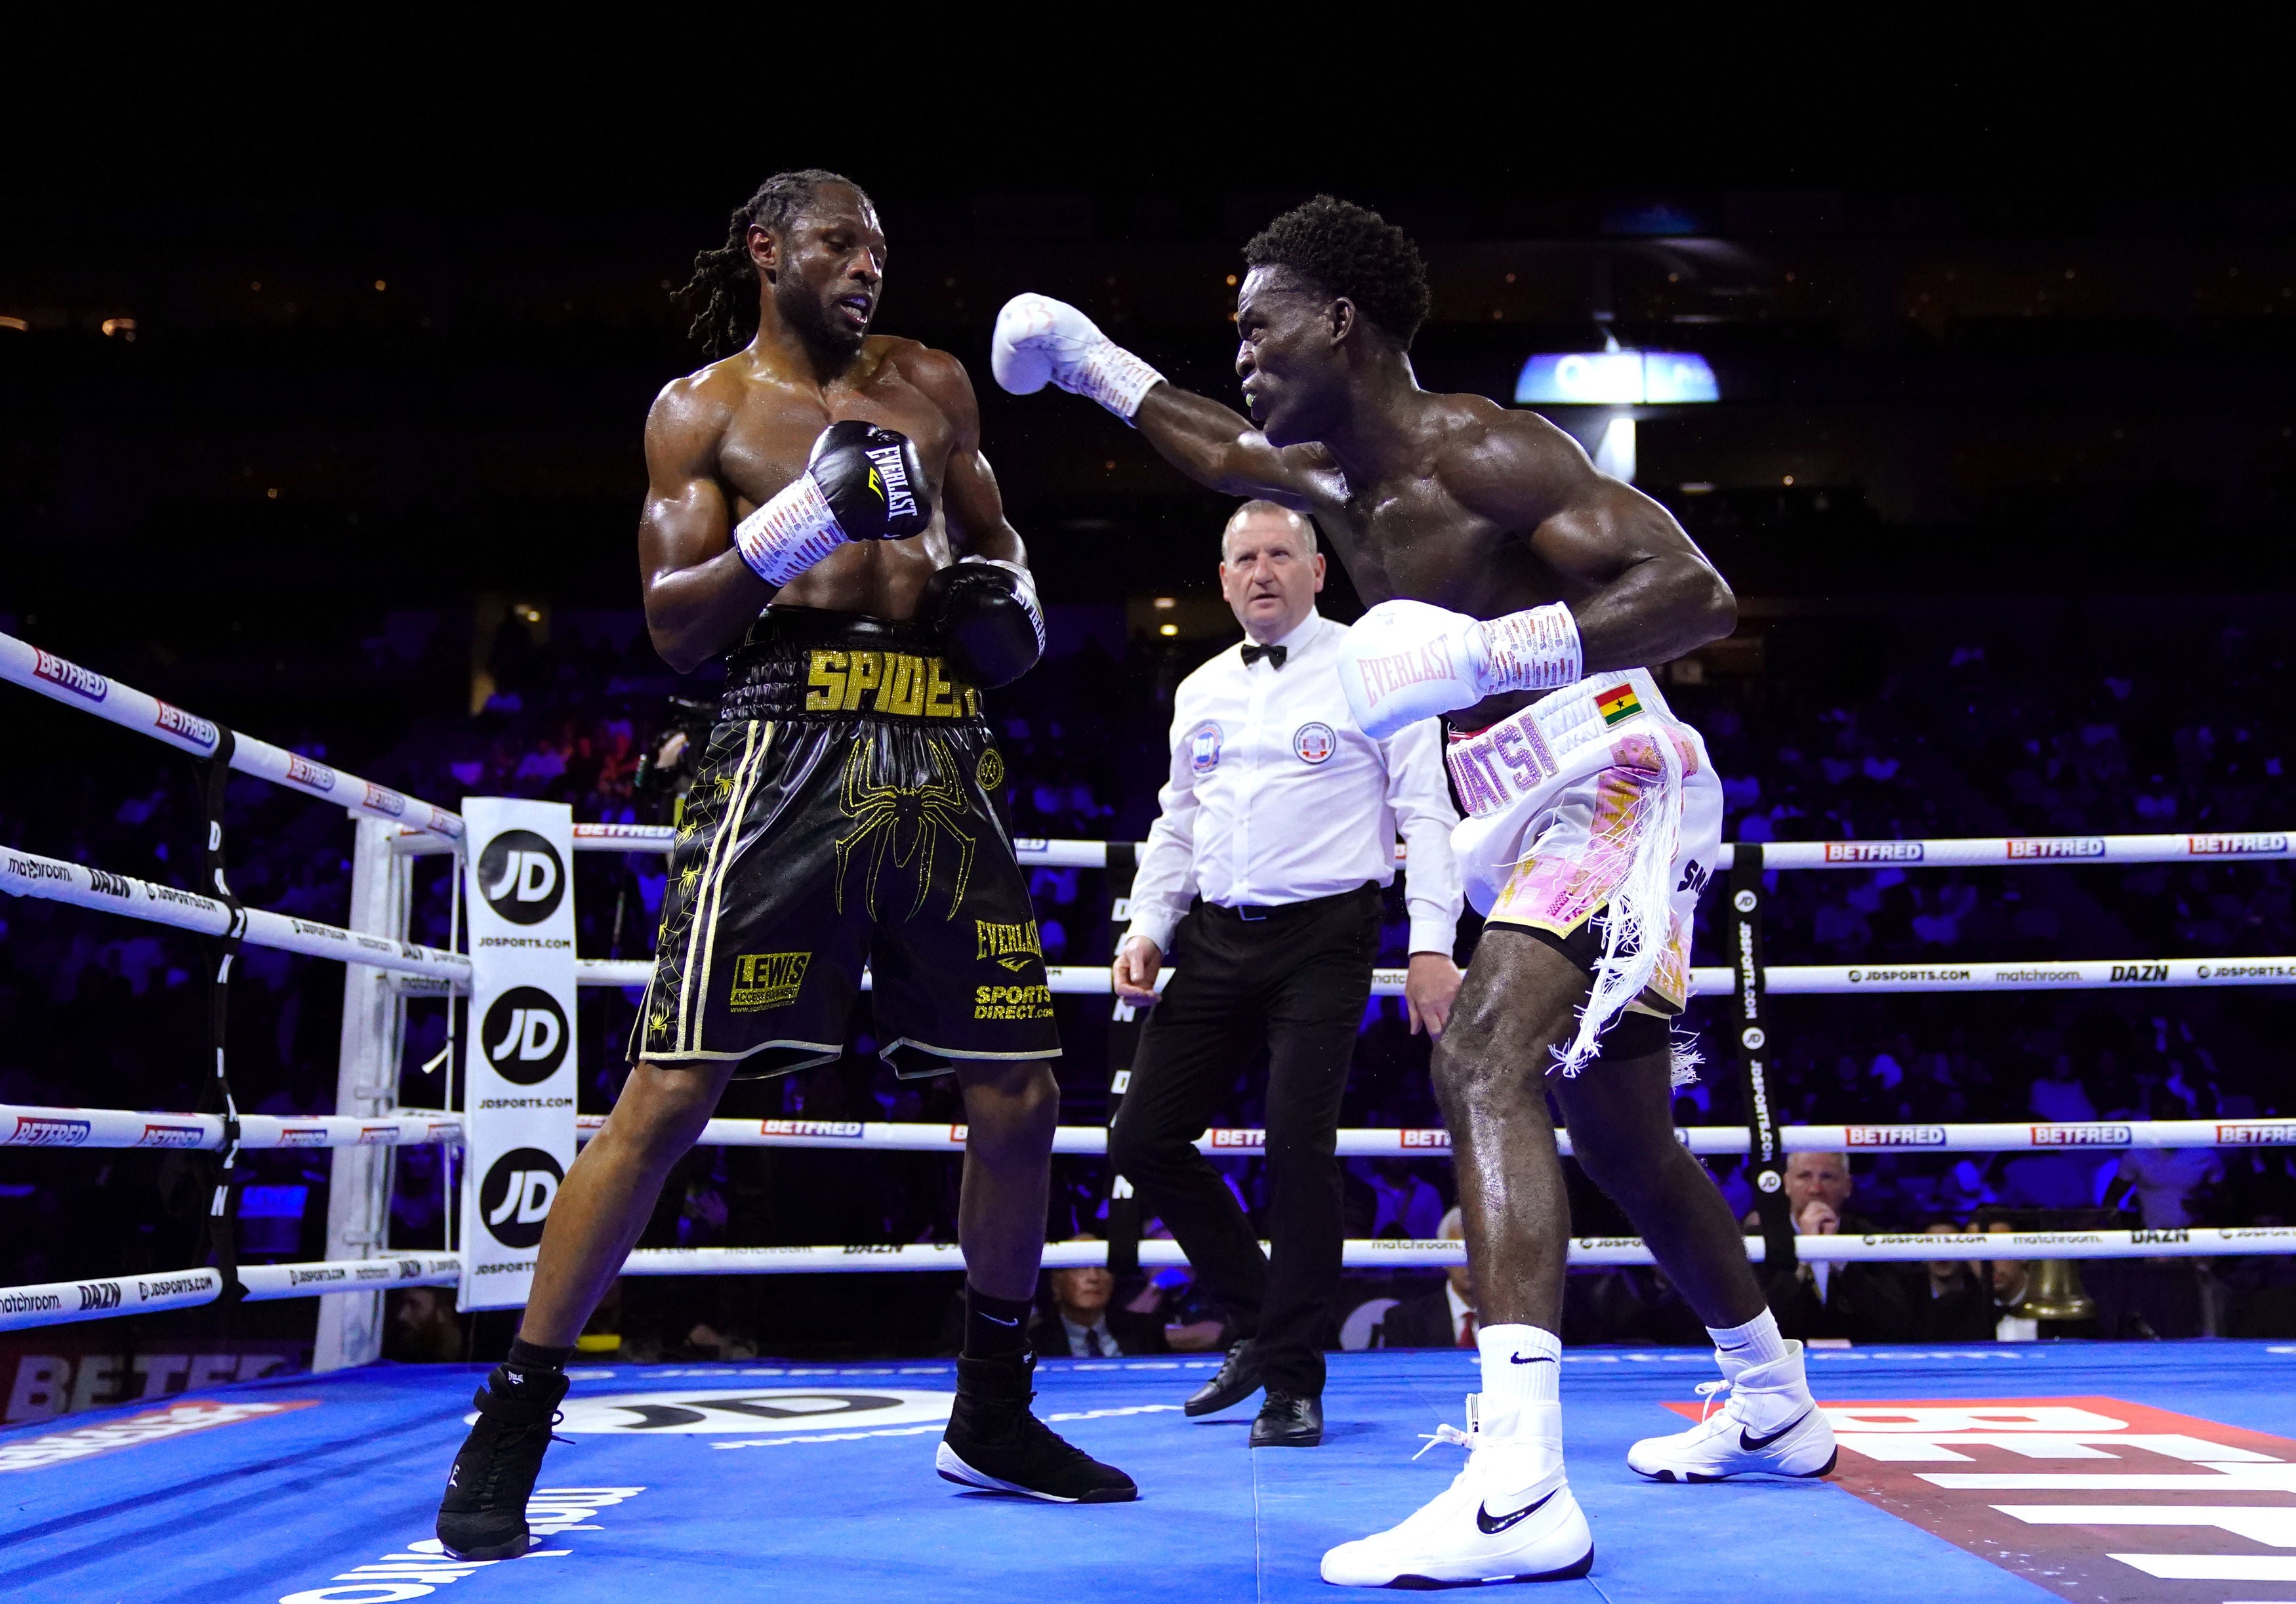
(525, 1034)
(516, 1197)
(521, 876)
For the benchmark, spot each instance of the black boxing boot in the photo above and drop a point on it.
(993, 1442)
(483, 1515)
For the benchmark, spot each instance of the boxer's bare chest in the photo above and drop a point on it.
(1410, 536)
(764, 448)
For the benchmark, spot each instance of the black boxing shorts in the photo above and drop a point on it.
(841, 818)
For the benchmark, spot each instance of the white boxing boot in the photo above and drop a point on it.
(1769, 1425)
(1508, 1517)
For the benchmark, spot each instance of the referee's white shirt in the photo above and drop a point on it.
(1277, 796)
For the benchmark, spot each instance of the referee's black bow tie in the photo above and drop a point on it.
(1273, 654)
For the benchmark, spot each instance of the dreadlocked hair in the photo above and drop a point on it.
(1348, 250)
(724, 288)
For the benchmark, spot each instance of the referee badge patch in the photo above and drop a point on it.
(1314, 742)
(1204, 747)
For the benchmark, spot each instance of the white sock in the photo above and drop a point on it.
(1522, 1365)
(1757, 1342)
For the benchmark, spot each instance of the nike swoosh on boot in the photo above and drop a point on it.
(1491, 1526)
(1534, 1359)
(1754, 1444)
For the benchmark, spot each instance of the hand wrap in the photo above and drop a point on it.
(861, 483)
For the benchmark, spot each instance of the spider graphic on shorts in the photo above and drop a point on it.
(879, 814)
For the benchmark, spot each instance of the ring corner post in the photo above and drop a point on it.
(366, 1086)
(1766, 1159)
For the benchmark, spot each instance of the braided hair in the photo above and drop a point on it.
(724, 288)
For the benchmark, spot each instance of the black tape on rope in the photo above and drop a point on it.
(221, 1230)
(1765, 1159)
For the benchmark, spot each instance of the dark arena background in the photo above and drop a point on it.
(321, 401)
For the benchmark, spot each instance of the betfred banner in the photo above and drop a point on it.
(519, 1063)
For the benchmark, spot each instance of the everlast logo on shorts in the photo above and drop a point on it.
(763, 980)
(1013, 1002)
(1010, 945)
(895, 681)
(900, 500)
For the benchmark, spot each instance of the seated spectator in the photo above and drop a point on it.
(2167, 1182)
(1409, 1206)
(2059, 1097)
(1959, 1306)
(2010, 1281)
(1082, 1323)
(1822, 1299)
(1443, 1318)
(422, 1328)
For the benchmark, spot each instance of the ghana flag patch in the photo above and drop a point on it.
(1619, 702)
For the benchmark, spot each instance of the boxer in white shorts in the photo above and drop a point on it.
(1565, 801)
(1520, 594)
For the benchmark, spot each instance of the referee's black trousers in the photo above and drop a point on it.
(1296, 982)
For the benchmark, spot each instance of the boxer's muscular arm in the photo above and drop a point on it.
(970, 500)
(1220, 449)
(1641, 591)
(700, 595)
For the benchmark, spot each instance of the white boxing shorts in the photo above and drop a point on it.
(1595, 799)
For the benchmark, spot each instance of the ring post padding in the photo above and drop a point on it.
(1765, 1147)
(222, 1230)
(520, 1059)
(1123, 859)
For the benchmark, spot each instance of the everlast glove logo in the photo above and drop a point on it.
(1013, 1002)
(893, 681)
(525, 1035)
(900, 500)
(1010, 945)
(763, 980)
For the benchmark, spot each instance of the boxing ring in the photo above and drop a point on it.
(319, 1489)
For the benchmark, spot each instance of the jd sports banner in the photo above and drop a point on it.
(519, 1065)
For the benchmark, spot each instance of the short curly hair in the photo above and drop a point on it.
(1350, 251)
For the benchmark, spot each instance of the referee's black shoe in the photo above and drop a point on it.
(483, 1516)
(993, 1442)
(1288, 1420)
(1236, 1379)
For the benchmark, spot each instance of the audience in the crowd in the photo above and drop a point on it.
(1444, 1317)
(1080, 1319)
(2050, 722)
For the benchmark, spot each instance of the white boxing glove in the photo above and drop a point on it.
(1409, 660)
(1039, 340)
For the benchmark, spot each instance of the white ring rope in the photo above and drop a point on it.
(1377, 1253)
(26, 1125)
(56, 1303)
(1942, 852)
(29, 874)
(68, 682)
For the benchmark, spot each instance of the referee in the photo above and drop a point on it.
(1278, 825)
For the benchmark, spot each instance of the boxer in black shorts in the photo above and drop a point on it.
(817, 503)
(842, 817)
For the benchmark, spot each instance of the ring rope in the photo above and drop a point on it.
(1939, 852)
(26, 1125)
(65, 682)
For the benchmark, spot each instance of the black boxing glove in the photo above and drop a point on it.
(861, 483)
(990, 626)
